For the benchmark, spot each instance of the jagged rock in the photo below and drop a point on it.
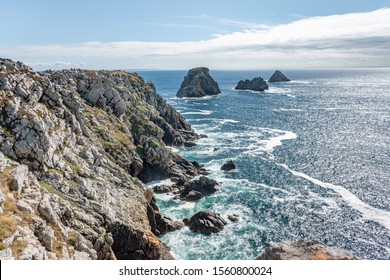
(193, 195)
(304, 250)
(205, 222)
(1, 201)
(228, 165)
(88, 137)
(19, 178)
(24, 206)
(203, 185)
(163, 189)
(189, 144)
(278, 76)
(234, 217)
(45, 235)
(103, 247)
(160, 224)
(256, 84)
(198, 83)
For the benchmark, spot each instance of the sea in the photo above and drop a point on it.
(312, 157)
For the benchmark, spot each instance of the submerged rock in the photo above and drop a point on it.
(229, 165)
(278, 76)
(304, 250)
(198, 83)
(205, 222)
(256, 84)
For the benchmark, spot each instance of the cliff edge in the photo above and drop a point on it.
(75, 149)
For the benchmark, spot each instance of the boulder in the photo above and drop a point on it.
(304, 250)
(205, 222)
(203, 185)
(198, 83)
(234, 217)
(278, 76)
(256, 84)
(229, 165)
(193, 195)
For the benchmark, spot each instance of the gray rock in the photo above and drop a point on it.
(19, 178)
(6, 254)
(24, 206)
(304, 250)
(206, 222)
(193, 195)
(45, 235)
(256, 84)
(278, 76)
(198, 83)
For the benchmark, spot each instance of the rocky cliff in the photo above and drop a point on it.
(256, 84)
(198, 83)
(75, 149)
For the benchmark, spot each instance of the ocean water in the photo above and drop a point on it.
(313, 158)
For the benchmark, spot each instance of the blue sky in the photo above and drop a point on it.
(174, 34)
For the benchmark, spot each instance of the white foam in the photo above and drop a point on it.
(167, 182)
(369, 213)
(277, 140)
(288, 110)
(200, 112)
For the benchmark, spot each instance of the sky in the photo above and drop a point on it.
(173, 34)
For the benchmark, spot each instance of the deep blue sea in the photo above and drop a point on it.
(313, 158)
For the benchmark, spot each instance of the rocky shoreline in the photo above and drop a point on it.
(76, 149)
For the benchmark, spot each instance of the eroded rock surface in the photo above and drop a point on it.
(75, 149)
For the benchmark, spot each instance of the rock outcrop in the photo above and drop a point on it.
(278, 76)
(198, 83)
(256, 84)
(228, 165)
(75, 149)
(206, 222)
(196, 189)
(304, 250)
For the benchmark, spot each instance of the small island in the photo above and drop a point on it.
(256, 84)
(198, 83)
(278, 76)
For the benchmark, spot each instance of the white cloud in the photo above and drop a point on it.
(357, 39)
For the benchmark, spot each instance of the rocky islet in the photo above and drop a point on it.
(198, 83)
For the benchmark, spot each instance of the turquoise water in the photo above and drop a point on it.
(313, 158)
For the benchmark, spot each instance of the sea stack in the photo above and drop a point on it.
(198, 83)
(256, 84)
(278, 76)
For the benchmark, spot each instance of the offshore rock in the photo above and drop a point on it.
(206, 222)
(256, 84)
(198, 83)
(229, 165)
(278, 76)
(196, 189)
(304, 250)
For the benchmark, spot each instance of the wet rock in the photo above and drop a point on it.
(198, 83)
(189, 144)
(193, 195)
(163, 189)
(278, 76)
(203, 185)
(256, 84)
(304, 250)
(206, 222)
(228, 165)
(234, 217)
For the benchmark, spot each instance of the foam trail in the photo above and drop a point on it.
(277, 140)
(369, 213)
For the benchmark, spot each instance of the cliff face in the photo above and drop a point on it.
(74, 147)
